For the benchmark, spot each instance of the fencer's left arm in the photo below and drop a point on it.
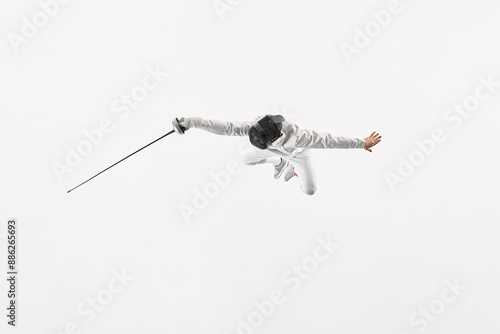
(313, 139)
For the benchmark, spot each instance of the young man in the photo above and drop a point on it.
(280, 143)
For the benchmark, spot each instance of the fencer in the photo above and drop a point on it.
(279, 142)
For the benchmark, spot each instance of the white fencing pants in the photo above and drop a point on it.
(301, 162)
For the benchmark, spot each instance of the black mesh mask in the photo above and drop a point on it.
(265, 131)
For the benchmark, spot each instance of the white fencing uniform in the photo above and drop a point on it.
(294, 145)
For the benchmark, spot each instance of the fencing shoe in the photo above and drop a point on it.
(290, 172)
(280, 168)
(286, 168)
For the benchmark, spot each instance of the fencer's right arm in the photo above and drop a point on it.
(218, 127)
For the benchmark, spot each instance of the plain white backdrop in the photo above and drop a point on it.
(234, 60)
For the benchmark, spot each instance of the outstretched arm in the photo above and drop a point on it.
(214, 126)
(313, 139)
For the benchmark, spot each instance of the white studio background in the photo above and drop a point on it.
(415, 226)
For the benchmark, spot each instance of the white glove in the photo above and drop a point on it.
(179, 125)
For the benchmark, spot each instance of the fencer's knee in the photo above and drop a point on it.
(249, 162)
(250, 159)
(309, 190)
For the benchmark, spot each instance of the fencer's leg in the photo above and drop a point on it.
(306, 174)
(256, 157)
(274, 160)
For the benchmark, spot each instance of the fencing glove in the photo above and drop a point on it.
(179, 126)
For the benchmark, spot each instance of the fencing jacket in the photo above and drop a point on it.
(293, 141)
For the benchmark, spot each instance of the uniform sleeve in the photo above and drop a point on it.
(312, 139)
(218, 127)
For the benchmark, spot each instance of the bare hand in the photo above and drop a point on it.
(372, 140)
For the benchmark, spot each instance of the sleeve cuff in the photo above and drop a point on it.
(361, 143)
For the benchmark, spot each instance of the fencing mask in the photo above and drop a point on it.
(265, 131)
